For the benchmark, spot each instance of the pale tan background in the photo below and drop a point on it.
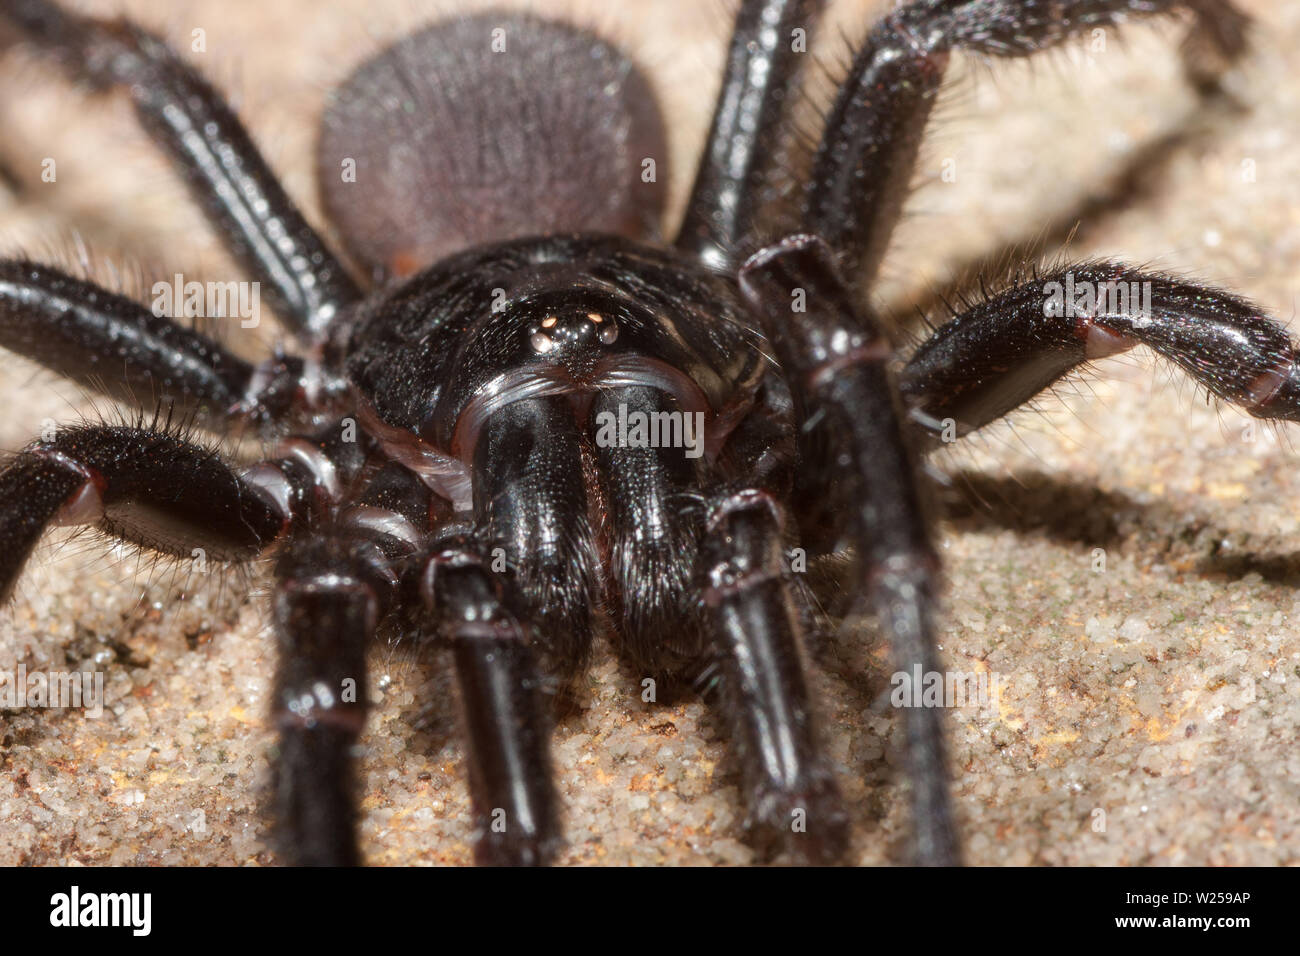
(1162, 691)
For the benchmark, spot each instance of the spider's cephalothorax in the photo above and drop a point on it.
(566, 424)
(502, 376)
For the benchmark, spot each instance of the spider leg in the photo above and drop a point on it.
(148, 487)
(226, 174)
(159, 491)
(872, 134)
(793, 798)
(993, 358)
(511, 780)
(835, 356)
(336, 579)
(747, 622)
(331, 591)
(117, 347)
(741, 147)
(530, 502)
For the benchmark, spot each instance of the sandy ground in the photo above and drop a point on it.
(1123, 559)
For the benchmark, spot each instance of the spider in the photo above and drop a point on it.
(440, 471)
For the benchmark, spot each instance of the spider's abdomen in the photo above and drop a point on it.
(485, 128)
(573, 316)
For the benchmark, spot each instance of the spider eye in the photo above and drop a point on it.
(541, 342)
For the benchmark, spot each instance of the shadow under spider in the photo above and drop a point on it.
(1282, 569)
(1072, 513)
(1077, 513)
(1064, 510)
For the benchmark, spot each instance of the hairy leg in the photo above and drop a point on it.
(868, 150)
(835, 357)
(1000, 354)
(227, 175)
(762, 65)
(117, 347)
(148, 487)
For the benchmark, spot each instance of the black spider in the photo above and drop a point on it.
(444, 469)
